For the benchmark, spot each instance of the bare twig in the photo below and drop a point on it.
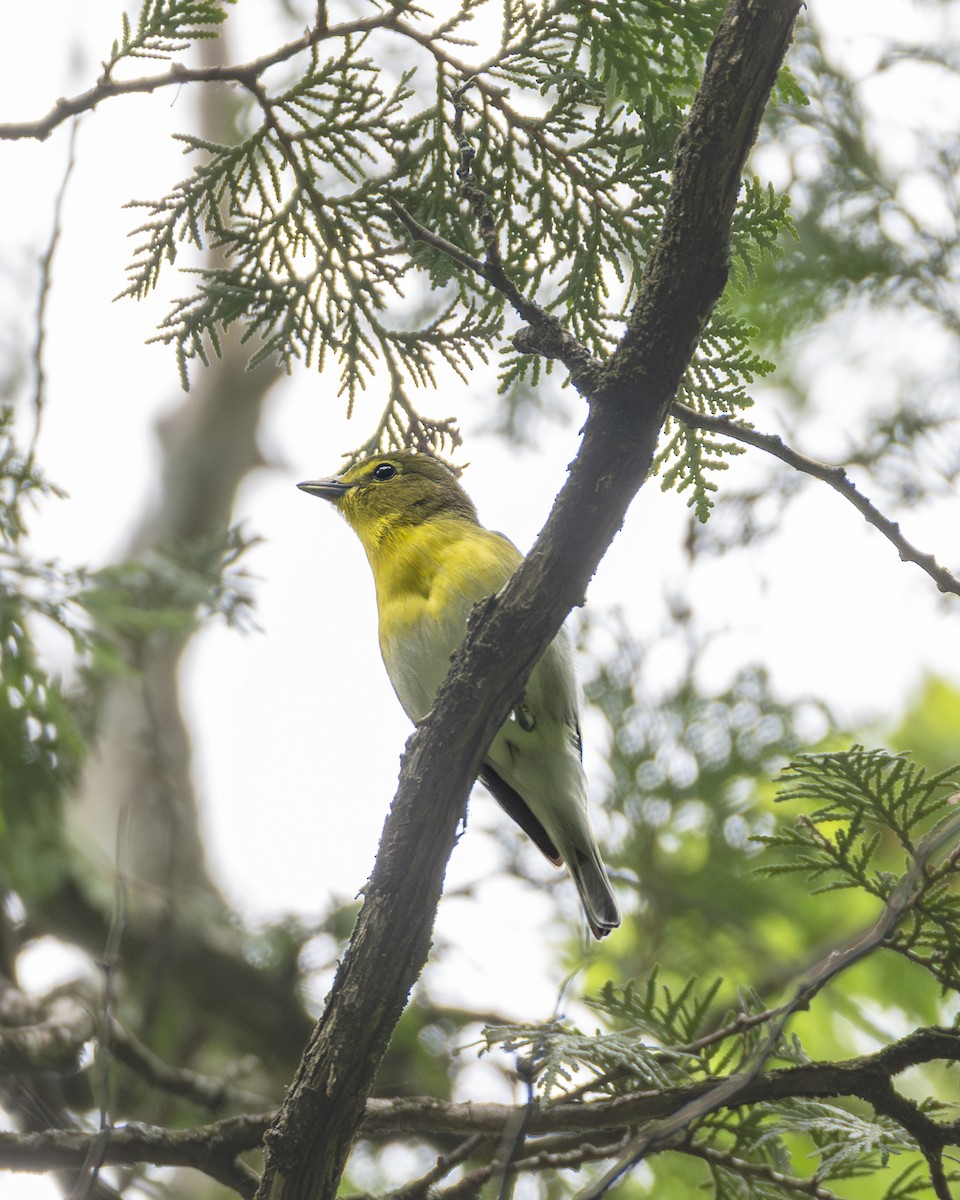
(46, 277)
(472, 1182)
(836, 477)
(178, 1081)
(421, 233)
(442, 1167)
(212, 1149)
(106, 88)
(473, 193)
(511, 1144)
(45, 1035)
(762, 1172)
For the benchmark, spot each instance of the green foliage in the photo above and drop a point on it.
(874, 808)
(671, 1018)
(755, 1155)
(687, 777)
(556, 1055)
(680, 1039)
(39, 747)
(108, 616)
(167, 27)
(663, 1037)
(715, 384)
(848, 1144)
(651, 54)
(172, 593)
(562, 144)
(39, 756)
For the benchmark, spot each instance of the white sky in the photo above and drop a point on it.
(298, 731)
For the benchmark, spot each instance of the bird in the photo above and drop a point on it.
(432, 561)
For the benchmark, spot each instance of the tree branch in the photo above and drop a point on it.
(541, 1160)
(212, 1149)
(309, 1145)
(212, 1093)
(43, 298)
(761, 1171)
(867, 1078)
(42, 1036)
(107, 88)
(441, 1168)
(836, 477)
(544, 333)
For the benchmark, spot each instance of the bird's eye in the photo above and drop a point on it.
(384, 472)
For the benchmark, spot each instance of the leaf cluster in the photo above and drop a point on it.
(726, 360)
(555, 1056)
(687, 781)
(108, 616)
(551, 160)
(40, 749)
(166, 27)
(769, 1153)
(662, 1035)
(872, 809)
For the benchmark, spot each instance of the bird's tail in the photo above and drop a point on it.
(596, 894)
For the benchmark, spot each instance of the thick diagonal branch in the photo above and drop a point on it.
(308, 1147)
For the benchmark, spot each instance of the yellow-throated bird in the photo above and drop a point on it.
(432, 561)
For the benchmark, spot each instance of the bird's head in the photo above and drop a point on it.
(390, 491)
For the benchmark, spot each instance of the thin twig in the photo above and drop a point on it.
(544, 334)
(474, 194)
(212, 1149)
(443, 1166)
(761, 1171)
(511, 1143)
(212, 1093)
(106, 88)
(46, 278)
(101, 1074)
(473, 1181)
(836, 477)
(421, 233)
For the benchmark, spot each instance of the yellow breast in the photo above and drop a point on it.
(428, 577)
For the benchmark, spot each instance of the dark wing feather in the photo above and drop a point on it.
(514, 806)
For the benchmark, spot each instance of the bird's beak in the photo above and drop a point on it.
(330, 488)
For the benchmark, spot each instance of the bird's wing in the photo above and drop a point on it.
(515, 808)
